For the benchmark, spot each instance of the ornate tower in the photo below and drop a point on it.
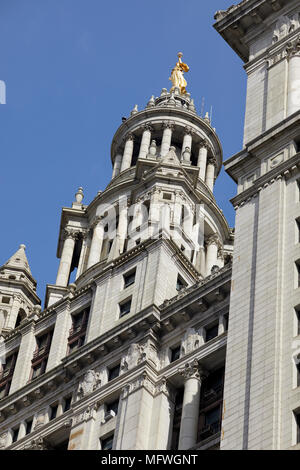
(17, 291)
(130, 354)
(262, 400)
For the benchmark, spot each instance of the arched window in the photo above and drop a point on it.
(20, 317)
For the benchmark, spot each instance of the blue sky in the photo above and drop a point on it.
(72, 69)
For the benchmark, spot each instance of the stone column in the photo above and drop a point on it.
(117, 165)
(128, 151)
(59, 344)
(200, 261)
(210, 173)
(187, 143)
(212, 244)
(293, 97)
(145, 143)
(162, 417)
(25, 354)
(193, 374)
(66, 257)
(202, 159)
(97, 241)
(222, 324)
(167, 138)
(134, 415)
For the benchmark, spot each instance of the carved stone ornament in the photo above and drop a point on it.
(193, 370)
(293, 47)
(190, 341)
(132, 358)
(37, 444)
(85, 415)
(89, 384)
(70, 233)
(3, 440)
(284, 26)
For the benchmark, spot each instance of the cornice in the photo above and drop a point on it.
(284, 170)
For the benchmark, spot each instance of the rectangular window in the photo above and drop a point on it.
(6, 374)
(67, 403)
(113, 407)
(297, 311)
(180, 284)
(129, 278)
(175, 354)
(5, 300)
(40, 355)
(297, 418)
(298, 230)
(77, 332)
(28, 426)
(125, 308)
(113, 372)
(107, 443)
(211, 332)
(297, 264)
(298, 374)
(15, 433)
(53, 412)
(298, 190)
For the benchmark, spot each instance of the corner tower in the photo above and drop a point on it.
(262, 399)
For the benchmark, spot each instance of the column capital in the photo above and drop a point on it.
(147, 127)
(204, 144)
(129, 136)
(293, 48)
(188, 130)
(214, 240)
(168, 125)
(96, 220)
(193, 370)
(212, 161)
(70, 233)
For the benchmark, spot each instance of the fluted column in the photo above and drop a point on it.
(202, 159)
(187, 144)
(210, 173)
(66, 257)
(193, 375)
(167, 138)
(293, 97)
(212, 244)
(145, 143)
(117, 165)
(128, 151)
(97, 241)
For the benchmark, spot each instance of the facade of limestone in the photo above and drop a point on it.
(177, 332)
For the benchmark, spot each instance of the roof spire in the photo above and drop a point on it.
(19, 260)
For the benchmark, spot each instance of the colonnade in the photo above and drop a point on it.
(207, 165)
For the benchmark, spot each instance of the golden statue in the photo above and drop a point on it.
(177, 77)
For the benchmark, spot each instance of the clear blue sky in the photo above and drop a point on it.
(72, 69)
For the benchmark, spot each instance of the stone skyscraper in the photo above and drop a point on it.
(169, 303)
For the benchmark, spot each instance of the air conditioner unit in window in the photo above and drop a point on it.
(109, 415)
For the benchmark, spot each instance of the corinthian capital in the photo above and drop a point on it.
(147, 127)
(188, 130)
(193, 370)
(212, 161)
(168, 125)
(70, 233)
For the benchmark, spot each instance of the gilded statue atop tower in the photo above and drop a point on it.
(177, 77)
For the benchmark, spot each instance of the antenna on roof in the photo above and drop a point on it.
(202, 106)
